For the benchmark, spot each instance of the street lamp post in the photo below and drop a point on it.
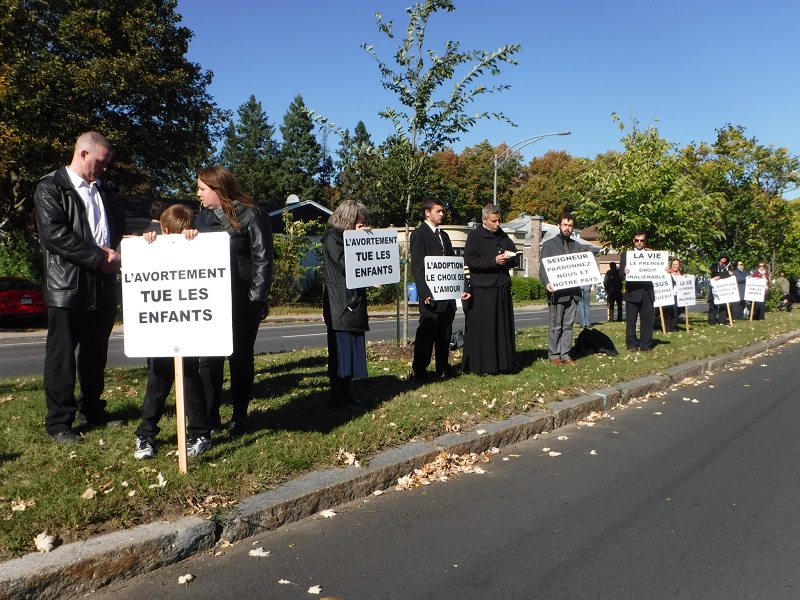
(500, 159)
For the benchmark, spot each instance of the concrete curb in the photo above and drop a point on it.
(82, 567)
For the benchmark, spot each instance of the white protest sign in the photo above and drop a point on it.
(371, 257)
(445, 276)
(645, 265)
(725, 291)
(572, 270)
(664, 294)
(685, 287)
(176, 296)
(755, 289)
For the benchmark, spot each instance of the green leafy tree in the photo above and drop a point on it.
(428, 116)
(291, 248)
(301, 155)
(251, 153)
(356, 166)
(648, 187)
(751, 178)
(550, 185)
(117, 67)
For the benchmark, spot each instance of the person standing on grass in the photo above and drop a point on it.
(435, 316)
(741, 282)
(344, 310)
(760, 308)
(489, 342)
(612, 283)
(161, 372)
(720, 270)
(639, 298)
(227, 208)
(562, 304)
(79, 226)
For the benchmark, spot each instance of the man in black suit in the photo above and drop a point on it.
(435, 316)
(79, 226)
(639, 298)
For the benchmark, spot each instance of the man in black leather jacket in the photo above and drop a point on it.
(79, 226)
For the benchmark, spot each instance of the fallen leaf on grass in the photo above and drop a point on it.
(88, 494)
(161, 482)
(44, 542)
(328, 514)
(18, 505)
(259, 552)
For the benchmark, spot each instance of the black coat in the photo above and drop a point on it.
(343, 309)
(252, 250)
(480, 251)
(424, 242)
(635, 291)
(71, 256)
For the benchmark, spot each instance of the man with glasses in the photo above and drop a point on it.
(721, 270)
(639, 297)
(741, 282)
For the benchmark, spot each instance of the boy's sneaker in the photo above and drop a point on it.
(197, 446)
(145, 448)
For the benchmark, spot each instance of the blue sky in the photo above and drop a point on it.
(692, 65)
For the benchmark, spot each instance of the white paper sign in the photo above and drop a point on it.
(664, 294)
(572, 270)
(176, 296)
(685, 287)
(371, 257)
(646, 265)
(725, 291)
(755, 289)
(445, 276)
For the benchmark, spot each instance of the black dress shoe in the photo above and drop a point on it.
(236, 429)
(66, 437)
(101, 419)
(414, 376)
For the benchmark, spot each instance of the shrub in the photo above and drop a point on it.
(20, 257)
(773, 299)
(525, 289)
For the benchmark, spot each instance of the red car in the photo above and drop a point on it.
(20, 298)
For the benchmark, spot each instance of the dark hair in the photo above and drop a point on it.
(156, 208)
(429, 203)
(567, 216)
(641, 232)
(222, 181)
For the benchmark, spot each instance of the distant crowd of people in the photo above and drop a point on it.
(80, 229)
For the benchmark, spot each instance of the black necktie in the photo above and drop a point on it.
(439, 235)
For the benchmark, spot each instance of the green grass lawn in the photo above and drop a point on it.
(293, 431)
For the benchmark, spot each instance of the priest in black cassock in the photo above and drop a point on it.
(489, 345)
(435, 316)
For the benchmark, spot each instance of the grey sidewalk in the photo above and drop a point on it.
(79, 568)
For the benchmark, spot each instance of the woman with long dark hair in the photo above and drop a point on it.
(227, 208)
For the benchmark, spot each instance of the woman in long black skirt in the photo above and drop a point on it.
(344, 310)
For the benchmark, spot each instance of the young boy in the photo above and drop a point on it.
(177, 218)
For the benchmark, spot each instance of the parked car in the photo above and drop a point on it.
(20, 298)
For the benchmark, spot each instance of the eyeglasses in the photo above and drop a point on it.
(638, 239)
(762, 266)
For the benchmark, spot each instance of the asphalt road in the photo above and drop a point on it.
(22, 354)
(692, 495)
